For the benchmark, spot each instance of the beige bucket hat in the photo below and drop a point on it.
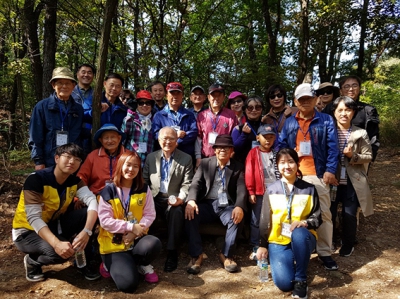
(62, 73)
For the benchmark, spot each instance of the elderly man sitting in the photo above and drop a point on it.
(218, 192)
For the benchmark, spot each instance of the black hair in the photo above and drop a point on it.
(86, 65)
(70, 148)
(150, 86)
(345, 78)
(348, 102)
(254, 98)
(115, 76)
(293, 154)
(274, 88)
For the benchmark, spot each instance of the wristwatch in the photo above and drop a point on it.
(88, 231)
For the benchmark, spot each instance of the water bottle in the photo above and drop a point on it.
(333, 191)
(131, 218)
(263, 265)
(80, 258)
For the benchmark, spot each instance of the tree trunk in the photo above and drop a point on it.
(136, 79)
(30, 19)
(304, 42)
(363, 33)
(110, 10)
(49, 46)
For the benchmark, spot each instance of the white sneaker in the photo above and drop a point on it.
(145, 269)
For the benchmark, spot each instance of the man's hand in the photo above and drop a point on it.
(181, 134)
(262, 253)
(104, 107)
(329, 178)
(237, 215)
(39, 167)
(191, 207)
(64, 249)
(178, 202)
(252, 199)
(348, 152)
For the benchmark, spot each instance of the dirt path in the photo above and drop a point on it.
(373, 271)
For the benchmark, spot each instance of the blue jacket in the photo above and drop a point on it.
(46, 121)
(185, 120)
(115, 113)
(324, 143)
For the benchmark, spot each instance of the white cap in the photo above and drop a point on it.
(304, 90)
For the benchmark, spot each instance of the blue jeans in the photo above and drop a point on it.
(282, 259)
(255, 221)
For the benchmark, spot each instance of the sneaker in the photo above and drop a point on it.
(149, 274)
(300, 290)
(329, 263)
(33, 272)
(253, 254)
(104, 271)
(346, 250)
(89, 273)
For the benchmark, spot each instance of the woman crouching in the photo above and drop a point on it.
(290, 216)
(126, 211)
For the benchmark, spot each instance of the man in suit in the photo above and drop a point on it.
(169, 172)
(217, 193)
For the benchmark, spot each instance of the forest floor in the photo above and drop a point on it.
(373, 271)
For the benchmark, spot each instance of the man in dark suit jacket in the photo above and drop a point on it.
(218, 192)
(169, 172)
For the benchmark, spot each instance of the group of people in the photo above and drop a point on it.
(158, 159)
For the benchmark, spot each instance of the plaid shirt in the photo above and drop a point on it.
(135, 133)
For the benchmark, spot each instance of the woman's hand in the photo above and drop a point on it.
(138, 230)
(246, 128)
(128, 238)
(262, 253)
(348, 151)
(296, 224)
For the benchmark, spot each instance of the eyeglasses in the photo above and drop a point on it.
(256, 107)
(69, 158)
(273, 96)
(143, 103)
(324, 91)
(61, 84)
(167, 139)
(348, 86)
(236, 102)
(222, 148)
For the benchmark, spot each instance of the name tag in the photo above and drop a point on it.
(142, 147)
(176, 128)
(61, 138)
(305, 148)
(286, 230)
(109, 182)
(343, 172)
(254, 144)
(222, 199)
(211, 137)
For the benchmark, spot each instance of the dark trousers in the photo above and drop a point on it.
(348, 197)
(210, 212)
(123, 265)
(72, 222)
(174, 217)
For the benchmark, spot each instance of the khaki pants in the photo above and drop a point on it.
(325, 231)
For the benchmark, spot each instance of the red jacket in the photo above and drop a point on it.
(254, 174)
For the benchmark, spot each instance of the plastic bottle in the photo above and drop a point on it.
(131, 218)
(263, 265)
(172, 199)
(80, 258)
(333, 192)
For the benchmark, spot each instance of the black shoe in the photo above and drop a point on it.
(33, 272)
(89, 273)
(329, 263)
(346, 250)
(300, 290)
(172, 261)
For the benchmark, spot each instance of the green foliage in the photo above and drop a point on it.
(383, 93)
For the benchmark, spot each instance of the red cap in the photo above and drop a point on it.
(174, 86)
(144, 94)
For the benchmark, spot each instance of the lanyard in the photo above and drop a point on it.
(221, 174)
(345, 143)
(255, 134)
(126, 203)
(305, 135)
(212, 118)
(111, 166)
(290, 199)
(62, 116)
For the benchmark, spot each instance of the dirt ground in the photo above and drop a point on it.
(373, 271)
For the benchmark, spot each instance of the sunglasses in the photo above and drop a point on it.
(142, 103)
(236, 102)
(273, 96)
(256, 107)
(324, 91)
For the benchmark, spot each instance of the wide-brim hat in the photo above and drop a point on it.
(62, 73)
(326, 84)
(223, 140)
(104, 128)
